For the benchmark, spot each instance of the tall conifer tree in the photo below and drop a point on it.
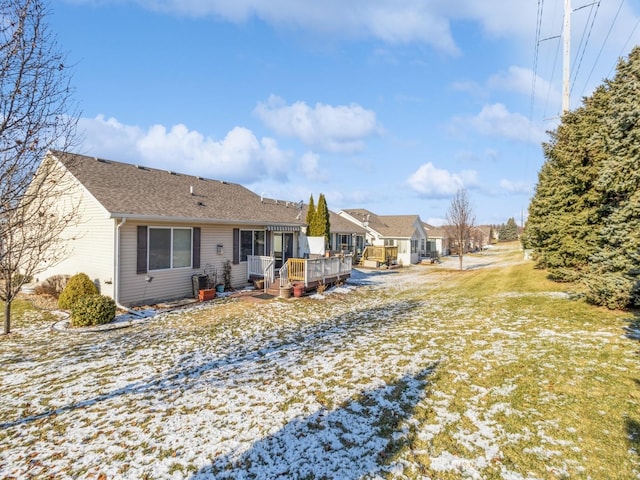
(311, 212)
(563, 215)
(613, 279)
(322, 226)
(584, 219)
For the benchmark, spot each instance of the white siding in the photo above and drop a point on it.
(90, 243)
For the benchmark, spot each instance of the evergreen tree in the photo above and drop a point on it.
(311, 212)
(563, 214)
(613, 278)
(584, 219)
(321, 225)
(509, 231)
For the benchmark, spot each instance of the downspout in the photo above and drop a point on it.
(116, 286)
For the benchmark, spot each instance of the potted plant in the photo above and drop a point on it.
(285, 291)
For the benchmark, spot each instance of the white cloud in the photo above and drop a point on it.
(495, 120)
(432, 182)
(240, 156)
(436, 221)
(520, 80)
(408, 21)
(472, 88)
(342, 128)
(393, 21)
(310, 168)
(516, 187)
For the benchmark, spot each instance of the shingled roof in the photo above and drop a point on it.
(133, 191)
(400, 226)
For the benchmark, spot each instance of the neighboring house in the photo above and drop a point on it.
(346, 236)
(143, 232)
(481, 236)
(437, 241)
(403, 231)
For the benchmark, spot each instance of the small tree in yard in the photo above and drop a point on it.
(36, 115)
(460, 220)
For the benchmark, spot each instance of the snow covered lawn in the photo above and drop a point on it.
(384, 377)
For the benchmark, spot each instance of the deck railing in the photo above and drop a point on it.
(269, 274)
(284, 275)
(257, 265)
(310, 270)
(380, 254)
(307, 270)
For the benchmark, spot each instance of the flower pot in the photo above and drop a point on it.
(298, 290)
(285, 292)
(220, 288)
(207, 294)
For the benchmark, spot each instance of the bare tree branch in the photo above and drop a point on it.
(460, 221)
(37, 114)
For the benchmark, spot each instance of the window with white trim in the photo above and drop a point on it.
(251, 243)
(169, 247)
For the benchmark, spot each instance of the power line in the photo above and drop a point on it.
(602, 48)
(536, 51)
(584, 49)
(624, 49)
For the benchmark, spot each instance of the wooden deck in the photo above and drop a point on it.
(375, 256)
(312, 272)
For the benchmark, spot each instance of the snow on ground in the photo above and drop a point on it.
(320, 387)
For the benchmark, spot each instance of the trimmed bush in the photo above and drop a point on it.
(78, 286)
(92, 310)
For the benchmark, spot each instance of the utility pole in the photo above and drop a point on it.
(566, 35)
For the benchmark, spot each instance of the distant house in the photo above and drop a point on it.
(403, 231)
(482, 235)
(346, 236)
(479, 237)
(437, 241)
(143, 232)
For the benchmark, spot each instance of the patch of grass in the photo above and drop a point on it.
(539, 384)
(24, 314)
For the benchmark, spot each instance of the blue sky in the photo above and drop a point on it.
(388, 105)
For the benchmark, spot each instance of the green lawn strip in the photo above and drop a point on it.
(545, 383)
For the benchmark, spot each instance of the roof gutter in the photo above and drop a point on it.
(216, 221)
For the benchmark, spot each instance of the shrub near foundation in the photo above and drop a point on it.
(78, 286)
(92, 310)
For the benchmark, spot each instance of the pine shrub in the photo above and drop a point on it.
(78, 286)
(610, 290)
(92, 310)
